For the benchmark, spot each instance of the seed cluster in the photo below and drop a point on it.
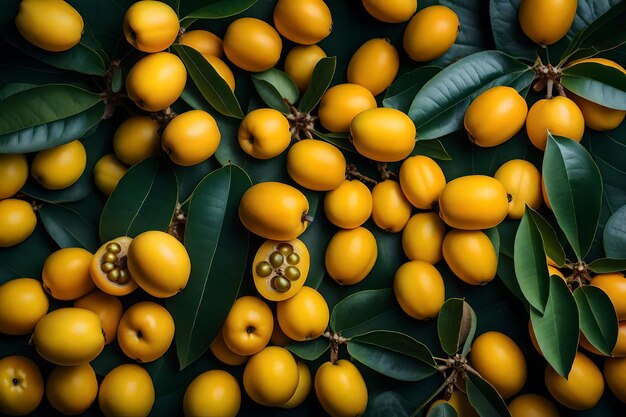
(113, 266)
(281, 266)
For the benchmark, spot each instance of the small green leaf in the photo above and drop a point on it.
(484, 398)
(606, 265)
(614, 235)
(340, 140)
(551, 243)
(117, 81)
(400, 94)
(442, 410)
(456, 325)
(26, 259)
(432, 148)
(598, 320)
(310, 350)
(359, 308)
(598, 83)
(14, 88)
(218, 9)
(68, 228)
(320, 80)
(316, 237)
(274, 87)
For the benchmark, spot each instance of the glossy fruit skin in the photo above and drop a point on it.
(304, 316)
(546, 22)
(351, 255)
(583, 388)
(214, 393)
(430, 33)
(303, 21)
(522, 181)
(460, 403)
(340, 389)
(264, 133)
(26, 296)
(107, 307)
(341, 103)
(252, 45)
(390, 210)
(145, 331)
(422, 238)
(223, 70)
(349, 205)
(559, 115)
(14, 173)
(391, 11)
(422, 181)
(470, 255)
(263, 370)
(100, 279)
(316, 165)
(500, 361)
(17, 222)
(66, 273)
(108, 172)
(159, 263)
(300, 63)
(224, 354)
(156, 81)
(53, 25)
(419, 289)
(532, 405)
(191, 137)
(495, 116)
(24, 398)
(203, 41)
(248, 326)
(614, 372)
(126, 390)
(374, 65)
(136, 139)
(619, 350)
(473, 202)
(150, 26)
(369, 126)
(69, 336)
(274, 211)
(59, 167)
(72, 389)
(554, 271)
(303, 389)
(614, 285)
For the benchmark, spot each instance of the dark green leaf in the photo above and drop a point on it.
(605, 265)
(340, 140)
(26, 259)
(551, 243)
(598, 320)
(432, 148)
(359, 308)
(68, 228)
(218, 9)
(432, 396)
(13, 88)
(484, 398)
(507, 31)
(188, 178)
(614, 236)
(310, 350)
(388, 404)
(494, 237)
(274, 87)
(456, 325)
(597, 83)
(442, 410)
(218, 246)
(401, 93)
(117, 81)
(320, 80)
(316, 238)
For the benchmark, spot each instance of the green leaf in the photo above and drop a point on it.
(26, 259)
(388, 404)
(340, 140)
(614, 236)
(401, 93)
(218, 247)
(574, 188)
(356, 309)
(393, 354)
(320, 81)
(144, 199)
(606, 265)
(275, 86)
(507, 31)
(557, 329)
(212, 87)
(117, 81)
(316, 237)
(47, 116)
(13, 88)
(442, 410)
(484, 398)
(551, 243)
(456, 325)
(432, 148)
(188, 178)
(68, 228)
(597, 83)
(598, 320)
(310, 350)
(432, 396)
(439, 107)
(218, 9)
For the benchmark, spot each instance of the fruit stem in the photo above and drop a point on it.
(353, 172)
(385, 173)
(306, 217)
(549, 86)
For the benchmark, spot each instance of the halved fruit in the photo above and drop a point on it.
(280, 268)
(109, 269)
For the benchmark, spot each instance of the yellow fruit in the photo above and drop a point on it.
(72, 389)
(341, 103)
(300, 63)
(222, 70)
(156, 81)
(213, 393)
(391, 11)
(109, 267)
(17, 222)
(351, 255)
(547, 21)
(390, 210)
(559, 115)
(107, 173)
(69, 336)
(264, 133)
(136, 139)
(422, 238)
(614, 285)
(303, 389)
(619, 350)
(430, 33)
(224, 354)
(59, 167)
(279, 338)
(248, 326)
(191, 137)
(150, 26)
(473, 202)
(369, 126)
(374, 65)
(107, 307)
(522, 181)
(252, 45)
(14, 173)
(554, 271)
(470, 255)
(422, 181)
(419, 289)
(274, 211)
(532, 405)
(349, 205)
(126, 390)
(583, 388)
(146, 331)
(303, 21)
(203, 41)
(159, 263)
(21, 386)
(23, 303)
(66, 273)
(500, 361)
(460, 403)
(340, 389)
(262, 372)
(53, 25)
(316, 165)
(495, 116)
(304, 316)
(615, 375)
